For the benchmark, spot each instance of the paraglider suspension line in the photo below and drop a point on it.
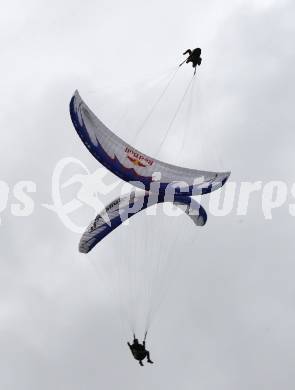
(175, 115)
(159, 98)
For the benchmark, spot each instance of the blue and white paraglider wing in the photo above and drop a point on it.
(125, 207)
(134, 166)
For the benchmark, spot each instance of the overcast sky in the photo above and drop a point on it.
(229, 316)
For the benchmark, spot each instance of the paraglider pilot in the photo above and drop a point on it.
(138, 351)
(194, 56)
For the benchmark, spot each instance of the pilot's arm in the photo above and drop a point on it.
(188, 51)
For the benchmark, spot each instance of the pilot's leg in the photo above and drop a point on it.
(148, 357)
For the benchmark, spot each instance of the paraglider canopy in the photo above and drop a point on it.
(134, 166)
(129, 205)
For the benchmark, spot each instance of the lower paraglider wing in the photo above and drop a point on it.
(134, 166)
(125, 207)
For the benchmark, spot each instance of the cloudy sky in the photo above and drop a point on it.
(228, 319)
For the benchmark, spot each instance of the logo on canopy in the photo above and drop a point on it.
(137, 158)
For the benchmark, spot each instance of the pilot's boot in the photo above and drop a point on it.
(148, 357)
